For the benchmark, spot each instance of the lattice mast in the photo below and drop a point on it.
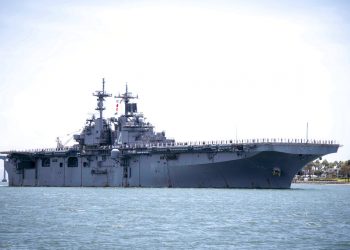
(126, 97)
(100, 99)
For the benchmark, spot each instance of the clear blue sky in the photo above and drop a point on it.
(201, 68)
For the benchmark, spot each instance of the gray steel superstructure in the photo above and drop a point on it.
(125, 151)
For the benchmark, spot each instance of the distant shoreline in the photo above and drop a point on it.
(322, 182)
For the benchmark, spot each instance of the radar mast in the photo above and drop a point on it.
(100, 98)
(126, 97)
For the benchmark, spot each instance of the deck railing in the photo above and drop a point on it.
(188, 144)
(228, 142)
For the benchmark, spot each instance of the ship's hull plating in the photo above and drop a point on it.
(258, 168)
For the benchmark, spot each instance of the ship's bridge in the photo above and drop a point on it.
(132, 127)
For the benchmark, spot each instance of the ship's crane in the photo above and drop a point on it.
(61, 145)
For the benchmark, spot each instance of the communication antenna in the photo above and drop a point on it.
(236, 134)
(307, 131)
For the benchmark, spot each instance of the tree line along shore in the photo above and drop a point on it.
(337, 172)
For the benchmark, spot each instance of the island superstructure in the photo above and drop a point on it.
(125, 151)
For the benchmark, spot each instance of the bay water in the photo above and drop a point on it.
(303, 217)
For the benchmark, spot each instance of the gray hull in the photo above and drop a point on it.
(265, 165)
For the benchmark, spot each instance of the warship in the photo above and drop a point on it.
(126, 151)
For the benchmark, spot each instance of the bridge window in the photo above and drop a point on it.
(72, 162)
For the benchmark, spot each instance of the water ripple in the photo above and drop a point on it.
(305, 217)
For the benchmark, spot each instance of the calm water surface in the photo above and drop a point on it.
(304, 217)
